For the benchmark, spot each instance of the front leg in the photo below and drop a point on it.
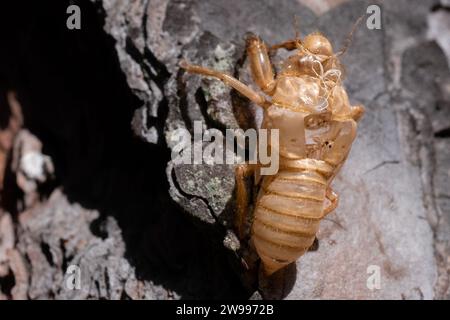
(260, 65)
(288, 45)
(227, 79)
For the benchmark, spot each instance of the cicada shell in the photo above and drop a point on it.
(308, 104)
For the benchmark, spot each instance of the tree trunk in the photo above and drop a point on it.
(94, 207)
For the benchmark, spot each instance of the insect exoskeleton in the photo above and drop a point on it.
(309, 106)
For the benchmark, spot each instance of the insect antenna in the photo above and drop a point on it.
(348, 41)
(296, 24)
(296, 27)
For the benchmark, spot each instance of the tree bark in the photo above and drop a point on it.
(89, 182)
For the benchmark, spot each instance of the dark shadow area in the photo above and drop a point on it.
(75, 99)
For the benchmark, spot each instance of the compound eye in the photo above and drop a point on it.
(318, 45)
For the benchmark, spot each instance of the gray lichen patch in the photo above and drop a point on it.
(214, 184)
(219, 108)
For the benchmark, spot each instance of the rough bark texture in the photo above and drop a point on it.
(89, 181)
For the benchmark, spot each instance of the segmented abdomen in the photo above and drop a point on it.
(287, 216)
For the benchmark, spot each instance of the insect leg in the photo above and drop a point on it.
(288, 45)
(260, 64)
(227, 79)
(334, 200)
(357, 112)
(243, 171)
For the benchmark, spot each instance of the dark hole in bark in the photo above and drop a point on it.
(76, 100)
(47, 253)
(7, 283)
(444, 133)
